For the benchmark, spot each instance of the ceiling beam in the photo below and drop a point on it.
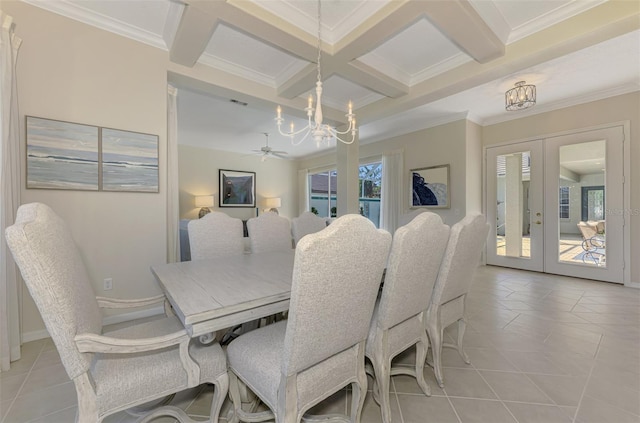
(195, 29)
(460, 22)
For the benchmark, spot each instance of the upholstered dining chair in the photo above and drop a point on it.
(448, 301)
(405, 218)
(305, 224)
(269, 232)
(296, 363)
(398, 319)
(116, 370)
(215, 235)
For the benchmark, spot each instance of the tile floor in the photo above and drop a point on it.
(543, 349)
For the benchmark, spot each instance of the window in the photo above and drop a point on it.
(370, 176)
(564, 203)
(323, 190)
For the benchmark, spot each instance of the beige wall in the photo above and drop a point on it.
(614, 109)
(199, 176)
(444, 144)
(74, 72)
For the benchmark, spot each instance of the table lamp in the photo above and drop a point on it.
(272, 204)
(204, 202)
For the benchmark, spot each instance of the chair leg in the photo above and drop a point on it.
(435, 336)
(236, 401)
(220, 390)
(359, 388)
(382, 375)
(462, 327)
(421, 357)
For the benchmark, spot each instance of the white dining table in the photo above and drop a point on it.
(210, 295)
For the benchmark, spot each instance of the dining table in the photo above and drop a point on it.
(219, 293)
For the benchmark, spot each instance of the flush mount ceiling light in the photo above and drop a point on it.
(321, 132)
(520, 97)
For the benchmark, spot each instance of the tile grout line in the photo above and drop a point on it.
(494, 393)
(23, 383)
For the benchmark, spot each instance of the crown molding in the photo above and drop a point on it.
(172, 22)
(441, 67)
(551, 18)
(86, 16)
(235, 69)
(563, 104)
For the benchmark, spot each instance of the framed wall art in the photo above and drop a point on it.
(237, 188)
(62, 155)
(429, 187)
(129, 161)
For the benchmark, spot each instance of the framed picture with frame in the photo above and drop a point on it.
(237, 188)
(429, 187)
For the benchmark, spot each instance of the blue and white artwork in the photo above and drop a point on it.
(61, 155)
(129, 161)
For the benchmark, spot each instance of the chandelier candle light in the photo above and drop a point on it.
(321, 132)
(520, 97)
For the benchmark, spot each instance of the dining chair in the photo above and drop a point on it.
(269, 232)
(305, 224)
(111, 371)
(405, 218)
(448, 301)
(215, 235)
(296, 363)
(398, 319)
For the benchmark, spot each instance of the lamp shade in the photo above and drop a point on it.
(204, 201)
(272, 202)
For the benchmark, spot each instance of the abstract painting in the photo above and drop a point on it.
(237, 188)
(61, 155)
(430, 187)
(129, 161)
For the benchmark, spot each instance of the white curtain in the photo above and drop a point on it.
(391, 190)
(303, 190)
(173, 207)
(9, 192)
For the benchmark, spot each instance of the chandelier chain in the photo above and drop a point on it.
(319, 42)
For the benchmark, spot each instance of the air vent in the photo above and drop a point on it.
(238, 102)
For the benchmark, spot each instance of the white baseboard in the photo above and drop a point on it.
(109, 320)
(632, 285)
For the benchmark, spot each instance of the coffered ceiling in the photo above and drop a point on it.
(405, 64)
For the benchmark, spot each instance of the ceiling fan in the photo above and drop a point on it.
(267, 151)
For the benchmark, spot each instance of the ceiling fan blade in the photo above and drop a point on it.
(278, 155)
(279, 152)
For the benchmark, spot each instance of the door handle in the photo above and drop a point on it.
(537, 222)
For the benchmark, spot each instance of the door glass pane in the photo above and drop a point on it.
(581, 211)
(513, 222)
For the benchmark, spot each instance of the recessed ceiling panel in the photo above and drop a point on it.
(418, 49)
(339, 17)
(252, 58)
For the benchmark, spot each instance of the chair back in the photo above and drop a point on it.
(588, 229)
(408, 217)
(215, 235)
(57, 279)
(305, 224)
(269, 232)
(466, 242)
(336, 278)
(412, 269)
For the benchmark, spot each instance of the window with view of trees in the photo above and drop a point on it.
(323, 189)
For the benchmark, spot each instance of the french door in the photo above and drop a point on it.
(558, 204)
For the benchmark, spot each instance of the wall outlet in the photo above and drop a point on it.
(108, 284)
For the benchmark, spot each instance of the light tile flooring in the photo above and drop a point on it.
(543, 349)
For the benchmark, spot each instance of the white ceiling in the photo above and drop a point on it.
(406, 65)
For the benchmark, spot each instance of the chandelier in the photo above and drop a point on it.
(520, 97)
(321, 132)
